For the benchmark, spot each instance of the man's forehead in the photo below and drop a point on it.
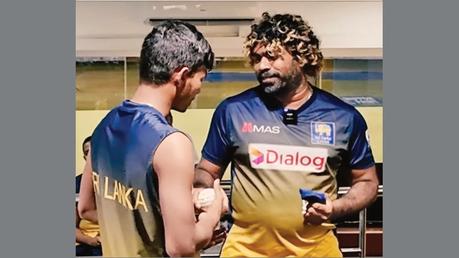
(203, 69)
(261, 48)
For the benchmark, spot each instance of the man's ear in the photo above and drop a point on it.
(180, 74)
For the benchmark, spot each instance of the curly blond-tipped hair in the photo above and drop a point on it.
(290, 32)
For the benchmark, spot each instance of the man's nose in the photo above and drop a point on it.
(265, 64)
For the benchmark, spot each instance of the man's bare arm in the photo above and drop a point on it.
(173, 163)
(206, 173)
(87, 204)
(82, 238)
(362, 193)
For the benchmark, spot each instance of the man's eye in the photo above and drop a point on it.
(271, 57)
(255, 58)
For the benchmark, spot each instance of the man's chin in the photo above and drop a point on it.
(180, 109)
(271, 88)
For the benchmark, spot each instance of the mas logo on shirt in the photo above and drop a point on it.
(323, 133)
(249, 127)
(287, 157)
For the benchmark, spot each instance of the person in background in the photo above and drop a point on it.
(87, 233)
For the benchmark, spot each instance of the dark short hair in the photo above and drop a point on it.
(86, 140)
(171, 45)
(292, 33)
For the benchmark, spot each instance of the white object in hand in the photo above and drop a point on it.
(206, 197)
(304, 207)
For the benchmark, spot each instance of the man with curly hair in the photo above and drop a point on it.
(283, 135)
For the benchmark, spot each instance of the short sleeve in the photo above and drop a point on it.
(218, 146)
(360, 150)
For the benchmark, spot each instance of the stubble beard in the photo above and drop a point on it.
(285, 86)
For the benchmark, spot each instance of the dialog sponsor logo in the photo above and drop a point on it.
(258, 156)
(287, 157)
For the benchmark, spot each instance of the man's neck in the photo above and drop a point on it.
(158, 97)
(298, 97)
